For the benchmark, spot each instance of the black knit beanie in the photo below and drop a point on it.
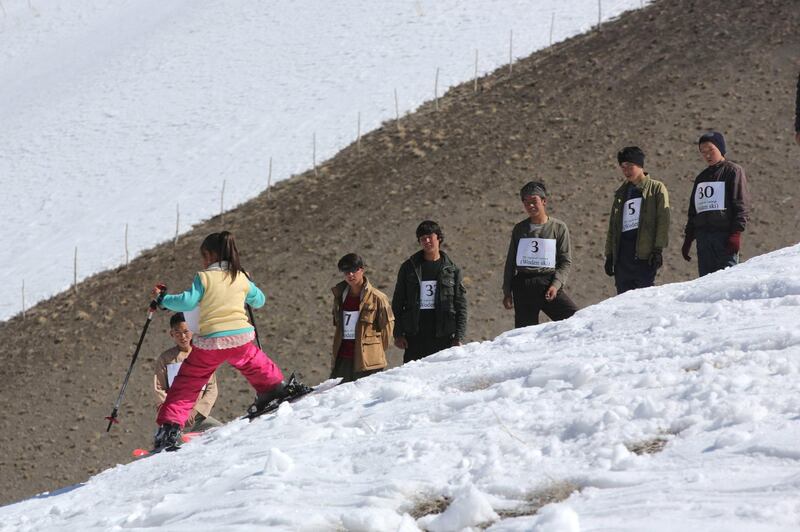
(715, 138)
(631, 154)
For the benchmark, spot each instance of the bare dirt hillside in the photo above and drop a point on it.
(656, 78)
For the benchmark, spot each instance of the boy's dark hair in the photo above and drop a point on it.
(223, 247)
(429, 227)
(176, 320)
(350, 263)
(533, 188)
(631, 154)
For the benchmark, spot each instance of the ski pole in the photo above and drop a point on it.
(162, 290)
(253, 322)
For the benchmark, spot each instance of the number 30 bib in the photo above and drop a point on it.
(710, 196)
(536, 253)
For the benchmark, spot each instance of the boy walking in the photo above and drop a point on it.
(638, 228)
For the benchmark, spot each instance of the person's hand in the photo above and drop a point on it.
(191, 419)
(609, 266)
(687, 248)
(551, 293)
(797, 137)
(508, 302)
(456, 342)
(734, 242)
(401, 343)
(155, 292)
(656, 260)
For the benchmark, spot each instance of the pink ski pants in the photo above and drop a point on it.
(262, 373)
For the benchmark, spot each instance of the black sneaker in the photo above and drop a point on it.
(281, 391)
(168, 436)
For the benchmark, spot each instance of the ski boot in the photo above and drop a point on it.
(168, 437)
(271, 399)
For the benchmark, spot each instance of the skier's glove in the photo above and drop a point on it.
(609, 266)
(656, 260)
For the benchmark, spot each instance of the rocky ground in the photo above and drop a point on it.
(656, 78)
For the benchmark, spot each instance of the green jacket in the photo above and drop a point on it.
(450, 304)
(653, 219)
(553, 229)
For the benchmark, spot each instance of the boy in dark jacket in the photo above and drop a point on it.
(429, 300)
(719, 208)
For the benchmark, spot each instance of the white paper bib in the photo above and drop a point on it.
(427, 295)
(710, 196)
(536, 253)
(172, 371)
(192, 318)
(349, 320)
(630, 214)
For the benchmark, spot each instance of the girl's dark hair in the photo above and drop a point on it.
(223, 247)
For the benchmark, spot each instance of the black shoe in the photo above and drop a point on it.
(276, 393)
(168, 436)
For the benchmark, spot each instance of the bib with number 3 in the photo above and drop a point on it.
(630, 214)
(536, 253)
(349, 320)
(710, 196)
(427, 295)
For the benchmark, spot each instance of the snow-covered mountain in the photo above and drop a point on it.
(123, 112)
(673, 408)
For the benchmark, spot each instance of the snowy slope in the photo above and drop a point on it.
(114, 112)
(710, 366)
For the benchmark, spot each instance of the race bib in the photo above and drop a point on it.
(710, 196)
(630, 215)
(536, 253)
(427, 295)
(172, 371)
(349, 320)
(192, 318)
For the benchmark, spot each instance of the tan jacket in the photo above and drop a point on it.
(205, 402)
(373, 330)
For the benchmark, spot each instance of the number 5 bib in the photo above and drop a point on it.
(349, 320)
(536, 253)
(630, 216)
(710, 196)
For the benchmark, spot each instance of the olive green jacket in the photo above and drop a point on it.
(653, 219)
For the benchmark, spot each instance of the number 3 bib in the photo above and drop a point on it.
(427, 295)
(536, 253)
(349, 320)
(710, 196)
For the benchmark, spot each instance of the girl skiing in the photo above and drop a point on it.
(221, 291)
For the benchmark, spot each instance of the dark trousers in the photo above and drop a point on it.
(421, 346)
(712, 252)
(344, 369)
(631, 273)
(529, 300)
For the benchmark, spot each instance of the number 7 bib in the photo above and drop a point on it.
(536, 253)
(349, 320)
